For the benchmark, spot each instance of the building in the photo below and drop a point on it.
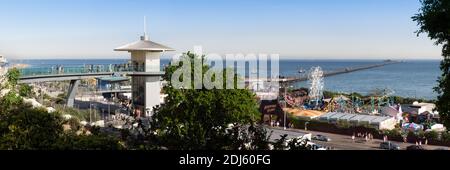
(419, 112)
(113, 86)
(146, 84)
(111, 83)
(419, 108)
(377, 122)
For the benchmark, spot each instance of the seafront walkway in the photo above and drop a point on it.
(85, 69)
(75, 74)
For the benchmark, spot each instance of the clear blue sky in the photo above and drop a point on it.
(307, 29)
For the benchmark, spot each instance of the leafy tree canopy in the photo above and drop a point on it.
(434, 19)
(199, 118)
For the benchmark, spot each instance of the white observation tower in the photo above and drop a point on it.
(146, 85)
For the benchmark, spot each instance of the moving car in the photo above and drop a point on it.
(321, 138)
(415, 147)
(389, 146)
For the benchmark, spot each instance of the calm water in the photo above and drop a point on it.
(413, 78)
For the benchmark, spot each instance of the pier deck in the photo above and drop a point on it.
(290, 80)
(341, 71)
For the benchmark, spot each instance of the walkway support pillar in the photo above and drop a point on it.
(73, 89)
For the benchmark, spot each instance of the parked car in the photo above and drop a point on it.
(315, 146)
(415, 147)
(389, 146)
(321, 138)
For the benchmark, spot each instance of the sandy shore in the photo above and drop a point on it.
(20, 65)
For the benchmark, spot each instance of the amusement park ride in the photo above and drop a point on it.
(314, 99)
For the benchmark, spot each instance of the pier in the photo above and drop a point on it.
(290, 80)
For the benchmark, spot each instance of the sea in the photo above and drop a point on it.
(410, 78)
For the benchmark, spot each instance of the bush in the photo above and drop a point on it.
(392, 133)
(445, 137)
(432, 135)
(74, 124)
(25, 90)
(343, 124)
(82, 115)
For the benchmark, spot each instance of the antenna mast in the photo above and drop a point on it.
(145, 28)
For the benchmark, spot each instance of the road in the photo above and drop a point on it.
(342, 142)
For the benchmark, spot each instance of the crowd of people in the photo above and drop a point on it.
(366, 136)
(93, 68)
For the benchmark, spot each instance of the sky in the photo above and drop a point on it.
(303, 29)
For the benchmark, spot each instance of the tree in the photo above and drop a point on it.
(200, 118)
(23, 127)
(29, 128)
(434, 19)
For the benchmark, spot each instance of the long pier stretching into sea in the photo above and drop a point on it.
(304, 77)
(340, 71)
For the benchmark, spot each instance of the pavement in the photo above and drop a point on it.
(343, 142)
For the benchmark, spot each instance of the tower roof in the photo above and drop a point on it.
(144, 45)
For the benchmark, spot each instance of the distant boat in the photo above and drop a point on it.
(389, 60)
(301, 71)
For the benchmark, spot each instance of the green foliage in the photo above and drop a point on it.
(25, 90)
(343, 124)
(198, 118)
(434, 19)
(445, 136)
(71, 141)
(432, 135)
(25, 128)
(82, 115)
(12, 77)
(74, 124)
(9, 102)
(420, 134)
(28, 128)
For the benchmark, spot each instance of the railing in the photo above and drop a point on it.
(61, 70)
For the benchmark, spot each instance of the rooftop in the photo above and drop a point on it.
(144, 45)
